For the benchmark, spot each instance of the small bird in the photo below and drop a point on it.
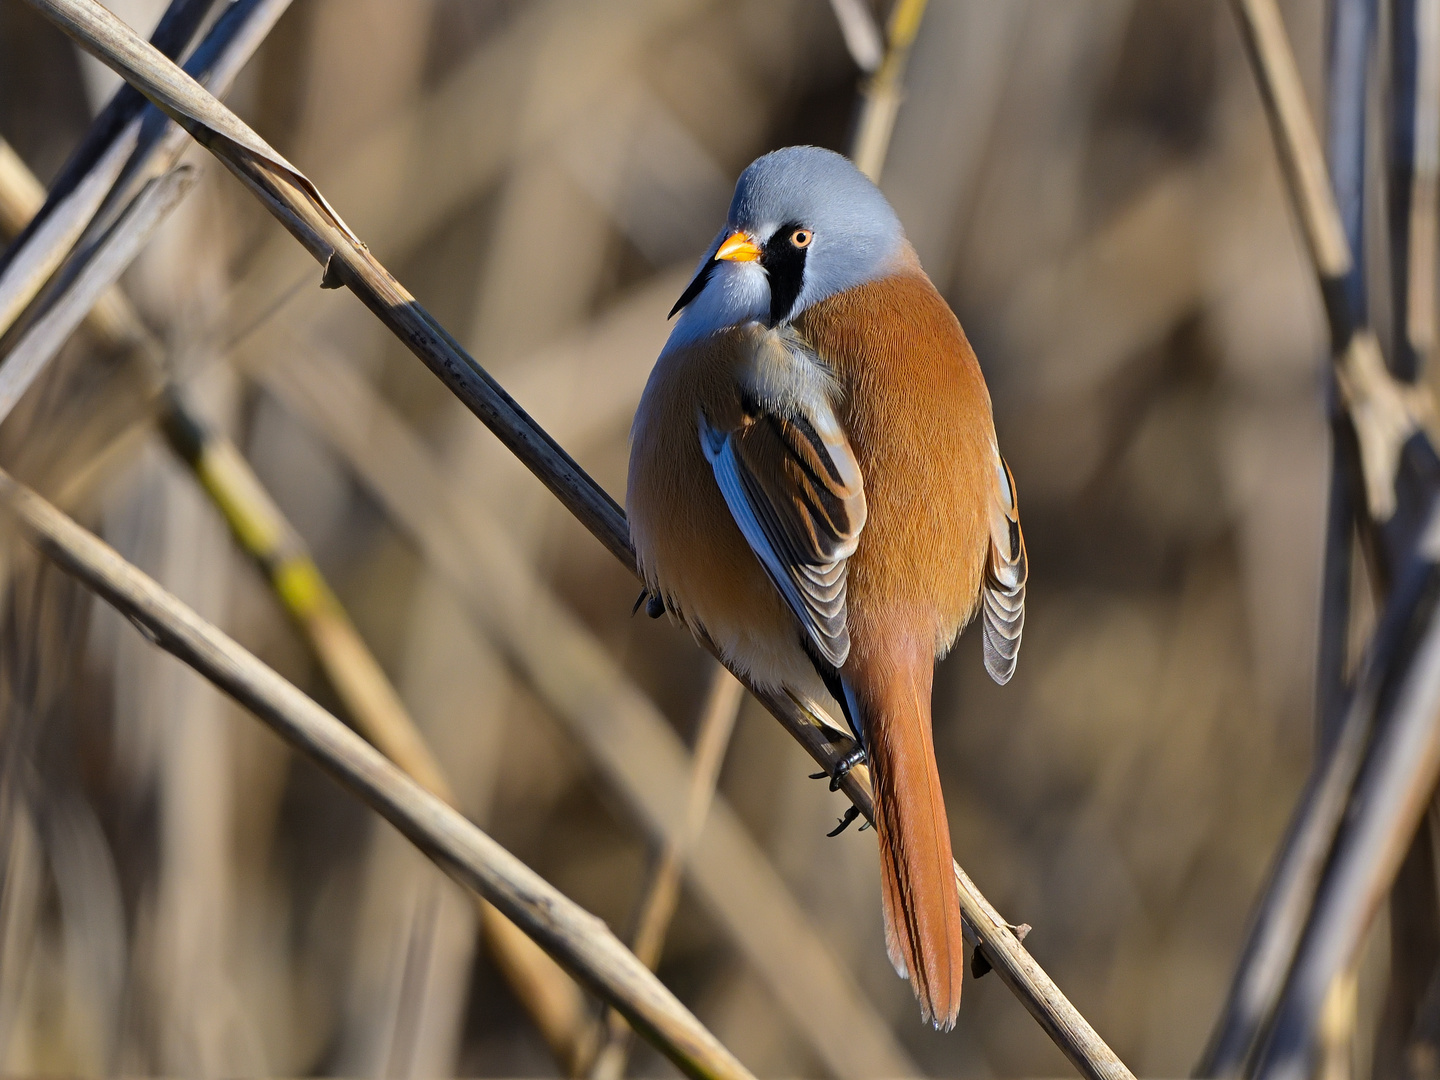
(815, 486)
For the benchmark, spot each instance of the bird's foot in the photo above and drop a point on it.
(842, 768)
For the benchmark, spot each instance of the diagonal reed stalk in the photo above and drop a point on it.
(551, 998)
(662, 890)
(578, 939)
(296, 203)
(175, 30)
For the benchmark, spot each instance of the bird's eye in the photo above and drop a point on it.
(801, 238)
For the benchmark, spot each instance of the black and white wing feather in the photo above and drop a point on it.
(793, 486)
(1003, 593)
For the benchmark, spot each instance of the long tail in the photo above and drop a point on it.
(922, 907)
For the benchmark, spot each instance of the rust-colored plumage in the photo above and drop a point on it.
(934, 532)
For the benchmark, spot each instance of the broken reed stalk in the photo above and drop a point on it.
(662, 891)
(575, 937)
(299, 206)
(258, 525)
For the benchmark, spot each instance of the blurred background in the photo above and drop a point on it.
(1090, 183)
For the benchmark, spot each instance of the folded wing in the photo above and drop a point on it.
(1003, 594)
(793, 486)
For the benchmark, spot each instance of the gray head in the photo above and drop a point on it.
(804, 224)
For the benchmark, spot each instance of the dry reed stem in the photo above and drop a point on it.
(1384, 411)
(662, 893)
(61, 223)
(1296, 142)
(20, 193)
(261, 529)
(572, 935)
(881, 94)
(1424, 226)
(92, 272)
(296, 203)
(862, 36)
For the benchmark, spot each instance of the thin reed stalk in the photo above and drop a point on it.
(1422, 229)
(88, 275)
(578, 939)
(175, 30)
(295, 201)
(1414, 908)
(662, 891)
(1351, 32)
(882, 93)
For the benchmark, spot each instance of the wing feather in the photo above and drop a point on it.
(1003, 594)
(793, 486)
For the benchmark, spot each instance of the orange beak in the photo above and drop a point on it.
(738, 248)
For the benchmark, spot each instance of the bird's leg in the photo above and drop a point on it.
(842, 767)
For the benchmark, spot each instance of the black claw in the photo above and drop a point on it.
(644, 595)
(821, 775)
(846, 821)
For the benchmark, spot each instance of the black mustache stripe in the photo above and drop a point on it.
(696, 286)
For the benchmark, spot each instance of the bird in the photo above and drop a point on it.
(815, 487)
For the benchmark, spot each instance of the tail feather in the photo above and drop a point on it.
(922, 907)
